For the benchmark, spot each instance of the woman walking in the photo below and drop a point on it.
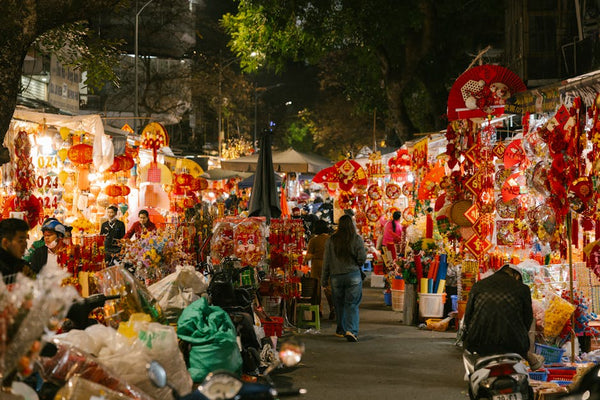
(344, 255)
(314, 254)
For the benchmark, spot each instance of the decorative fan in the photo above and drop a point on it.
(481, 91)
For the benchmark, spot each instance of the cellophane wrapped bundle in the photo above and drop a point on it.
(135, 297)
(27, 307)
(221, 244)
(250, 241)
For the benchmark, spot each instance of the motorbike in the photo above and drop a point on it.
(224, 385)
(497, 377)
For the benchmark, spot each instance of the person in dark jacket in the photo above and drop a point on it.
(499, 315)
(14, 234)
(113, 230)
(53, 234)
(344, 255)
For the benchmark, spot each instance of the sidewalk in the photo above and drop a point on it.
(391, 360)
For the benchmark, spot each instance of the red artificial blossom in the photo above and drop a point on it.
(562, 136)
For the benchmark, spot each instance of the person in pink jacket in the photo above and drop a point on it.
(392, 232)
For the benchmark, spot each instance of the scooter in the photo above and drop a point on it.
(497, 377)
(224, 385)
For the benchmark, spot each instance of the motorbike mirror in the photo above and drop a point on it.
(290, 353)
(157, 374)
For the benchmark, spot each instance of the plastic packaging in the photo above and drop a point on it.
(178, 290)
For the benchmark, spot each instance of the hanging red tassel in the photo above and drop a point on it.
(575, 231)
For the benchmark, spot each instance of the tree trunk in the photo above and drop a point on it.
(21, 22)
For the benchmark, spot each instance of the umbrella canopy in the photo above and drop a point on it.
(249, 181)
(217, 174)
(264, 200)
(283, 161)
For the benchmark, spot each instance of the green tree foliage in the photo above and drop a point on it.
(21, 23)
(77, 46)
(404, 54)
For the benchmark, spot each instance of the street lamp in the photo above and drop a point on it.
(263, 91)
(136, 105)
(220, 102)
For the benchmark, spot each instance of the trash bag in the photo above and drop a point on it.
(212, 336)
(178, 290)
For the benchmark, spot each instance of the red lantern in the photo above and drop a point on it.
(117, 165)
(128, 162)
(81, 154)
(184, 180)
(113, 190)
(125, 190)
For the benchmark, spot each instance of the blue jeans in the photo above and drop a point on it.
(347, 294)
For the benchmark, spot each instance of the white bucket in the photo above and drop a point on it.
(431, 305)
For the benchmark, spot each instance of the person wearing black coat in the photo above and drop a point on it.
(14, 233)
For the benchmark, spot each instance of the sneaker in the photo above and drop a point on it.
(351, 337)
(536, 361)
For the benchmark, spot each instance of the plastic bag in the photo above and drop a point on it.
(79, 388)
(178, 290)
(556, 316)
(135, 297)
(213, 338)
(70, 361)
(130, 355)
(27, 307)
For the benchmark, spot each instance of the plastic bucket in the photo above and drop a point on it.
(431, 305)
(397, 300)
(387, 298)
(454, 299)
(398, 283)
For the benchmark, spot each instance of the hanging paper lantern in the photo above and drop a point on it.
(117, 164)
(81, 154)
(184, 180)
(128, 162)
(113, 190)
(125, 190)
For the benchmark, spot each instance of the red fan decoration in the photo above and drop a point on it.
(481, 91)
(512, 187)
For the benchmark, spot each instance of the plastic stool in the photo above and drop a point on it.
(314, 321)
(367, 266)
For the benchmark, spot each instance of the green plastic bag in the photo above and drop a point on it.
(213, 338)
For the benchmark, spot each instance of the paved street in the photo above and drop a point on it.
(391, 361)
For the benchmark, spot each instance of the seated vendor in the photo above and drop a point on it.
(142, 226)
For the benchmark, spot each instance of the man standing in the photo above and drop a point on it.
(113, 230)
(141, 226)
(14, 234)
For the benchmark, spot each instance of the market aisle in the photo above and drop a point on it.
(391, 361)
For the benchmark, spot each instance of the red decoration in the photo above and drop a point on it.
(29, 204)
(481, 91)
(154, 137)
(81, 154)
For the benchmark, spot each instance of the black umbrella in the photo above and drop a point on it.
(264, 200)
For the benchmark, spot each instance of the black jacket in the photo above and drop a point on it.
(39, 258)
(498, 316)
(10, 264)
(113, 232)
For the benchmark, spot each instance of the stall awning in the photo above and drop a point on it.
(546, 99)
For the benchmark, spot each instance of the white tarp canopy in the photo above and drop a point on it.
(103, 155)
(283, 161)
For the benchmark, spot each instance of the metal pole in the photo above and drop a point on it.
(136, 110)
(255, 114)
(219, 105)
